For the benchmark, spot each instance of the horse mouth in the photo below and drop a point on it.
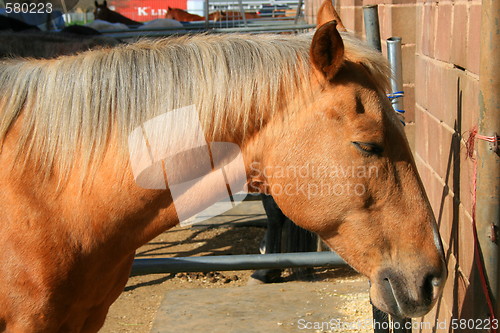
(388, 303)
(392, 297)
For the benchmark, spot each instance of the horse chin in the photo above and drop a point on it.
(395, 302)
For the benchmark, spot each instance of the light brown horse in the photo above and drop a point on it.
(102, 12)
(308, 113)
(183, 16)
(234, 16)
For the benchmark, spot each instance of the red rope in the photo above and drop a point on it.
(477, 254)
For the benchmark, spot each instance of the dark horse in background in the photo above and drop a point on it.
(12, 24)
(102, 12)
(282, 235)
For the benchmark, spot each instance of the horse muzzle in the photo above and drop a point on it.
(408, 294)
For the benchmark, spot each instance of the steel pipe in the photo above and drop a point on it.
(395, 61)
(372, 27)
(235, 262)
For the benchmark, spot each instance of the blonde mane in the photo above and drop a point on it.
(72, 105)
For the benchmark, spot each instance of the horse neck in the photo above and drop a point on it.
(115, 17)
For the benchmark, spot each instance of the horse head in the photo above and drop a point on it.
(352, 179)
(100, 10)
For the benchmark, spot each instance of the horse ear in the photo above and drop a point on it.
(327, 13)
(327, 50)
(169, 8)
(96, 4)
(105, 4)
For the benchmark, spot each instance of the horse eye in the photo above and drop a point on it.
(368, 148)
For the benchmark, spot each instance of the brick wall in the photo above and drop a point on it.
(446, 108)
(441, 42)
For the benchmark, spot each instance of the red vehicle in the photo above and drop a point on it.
(145, 10)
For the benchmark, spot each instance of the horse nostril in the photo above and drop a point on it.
(436, 282)
(431, 285)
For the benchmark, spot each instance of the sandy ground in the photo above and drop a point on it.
(135, 310)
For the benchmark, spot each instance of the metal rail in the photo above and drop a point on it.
(236, 262)
(198, 28)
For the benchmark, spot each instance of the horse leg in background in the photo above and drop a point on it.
(299, 240)
(272, 238)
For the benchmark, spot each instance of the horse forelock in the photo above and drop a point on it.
(74, 105)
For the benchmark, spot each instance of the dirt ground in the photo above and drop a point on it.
(136, 308)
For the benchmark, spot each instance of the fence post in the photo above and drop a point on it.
(488, 160)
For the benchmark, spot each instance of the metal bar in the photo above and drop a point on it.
(242, 12)
(235, 263)
(268, 28)
(159, 32)
(206, 13)
(488, 160)
(394, 56)
(372, 28)
(299, 11)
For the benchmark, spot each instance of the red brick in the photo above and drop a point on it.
(442, 92)
(350, 2)
(434, 144)
(422, 170)
(466, 176)
(428, 320)
(421, 80)
(448, 292)
(435, 193)
(470, 102)
(358, 21)
(403, 23)
(435, 88)
(465, 243)
(419, 9)
(408, 58)
(383, 45)
(450, 96)
(428, 181)
(458, 37)
(428, 29)
(385, 21)
(347, 16)
(410, 135)
(421, 130)
(463, 286)
(443, 33)
(445, 169)
(400, 2)
(445, 221)
(444, 317)
(409, 103)
(474, 38)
